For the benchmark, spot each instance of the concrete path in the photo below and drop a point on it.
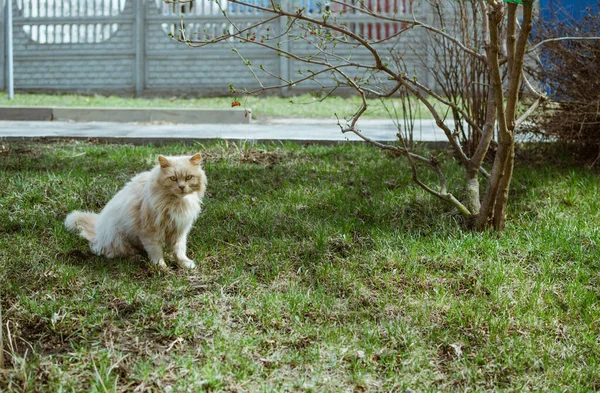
(126, 115)
(299, 130)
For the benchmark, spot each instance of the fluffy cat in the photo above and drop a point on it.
(154, 208)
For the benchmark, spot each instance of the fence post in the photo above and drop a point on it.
(430, 20)
(2, 47)
(284, 61)
(8, 25)
(140, 47)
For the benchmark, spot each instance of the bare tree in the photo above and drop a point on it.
(340, 50)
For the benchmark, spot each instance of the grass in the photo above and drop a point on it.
(304, 106)
(320, 269)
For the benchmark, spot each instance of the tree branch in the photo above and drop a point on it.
(415, 23)
(443, 193)
(548, 40)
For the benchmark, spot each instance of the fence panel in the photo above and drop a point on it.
(74, 45)
(126, 46)
(174, 66)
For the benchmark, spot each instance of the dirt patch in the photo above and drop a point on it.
(75, 257)
(124, 309)
(22, 149)
(261, 157)
(246, 155)
(12, 227)
(26, 336)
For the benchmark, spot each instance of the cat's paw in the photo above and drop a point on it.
(160, 264)
(186, 264)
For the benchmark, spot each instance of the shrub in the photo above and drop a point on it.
(570, 71)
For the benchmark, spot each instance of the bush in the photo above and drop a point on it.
(570, 71)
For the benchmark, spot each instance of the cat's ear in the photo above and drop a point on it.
(196, 158)
(162, 160)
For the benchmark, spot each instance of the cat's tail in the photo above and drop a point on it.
(83, 223)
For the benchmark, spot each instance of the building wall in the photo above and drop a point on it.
(574, 8)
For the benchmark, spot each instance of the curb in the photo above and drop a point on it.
(127, 115)
(142, 141)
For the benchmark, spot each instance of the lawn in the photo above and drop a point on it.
(320, 269)
(303, 106)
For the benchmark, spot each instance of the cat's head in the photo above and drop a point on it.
(182, 175)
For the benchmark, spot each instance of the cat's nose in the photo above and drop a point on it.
(182, 187)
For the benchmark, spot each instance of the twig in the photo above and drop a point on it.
(534, 47)
(443, 193)
(177, 340)
(529, 111)
(382, 146)
(229, 244)
(596, 160)
(415, 23)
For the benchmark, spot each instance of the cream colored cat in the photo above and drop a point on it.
(154, 208)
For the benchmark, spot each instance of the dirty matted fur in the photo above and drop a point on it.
(154, 208)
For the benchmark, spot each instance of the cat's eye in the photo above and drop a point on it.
(188, 177)
(173, 178)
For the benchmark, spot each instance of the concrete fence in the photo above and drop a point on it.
(123, 46)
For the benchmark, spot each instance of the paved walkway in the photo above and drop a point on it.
(301, 130)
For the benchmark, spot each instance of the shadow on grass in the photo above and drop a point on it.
(324, 201)
(290, 248)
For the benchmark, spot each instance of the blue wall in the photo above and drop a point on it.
(575, 8)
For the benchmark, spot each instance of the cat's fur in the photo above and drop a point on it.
(154, 208)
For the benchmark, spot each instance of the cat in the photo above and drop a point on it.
(156, 207)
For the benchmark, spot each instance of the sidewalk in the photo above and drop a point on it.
(297, 130)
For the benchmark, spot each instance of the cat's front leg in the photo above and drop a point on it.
(179, 248)
(155, 252)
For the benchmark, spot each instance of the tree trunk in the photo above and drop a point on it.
(472, 201)
(499, 219)
(488, 207)
(516, 58)
(495, 17)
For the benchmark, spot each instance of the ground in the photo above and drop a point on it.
(319, 269)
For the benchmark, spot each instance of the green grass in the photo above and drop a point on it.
(320, 269)
(304, 106)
